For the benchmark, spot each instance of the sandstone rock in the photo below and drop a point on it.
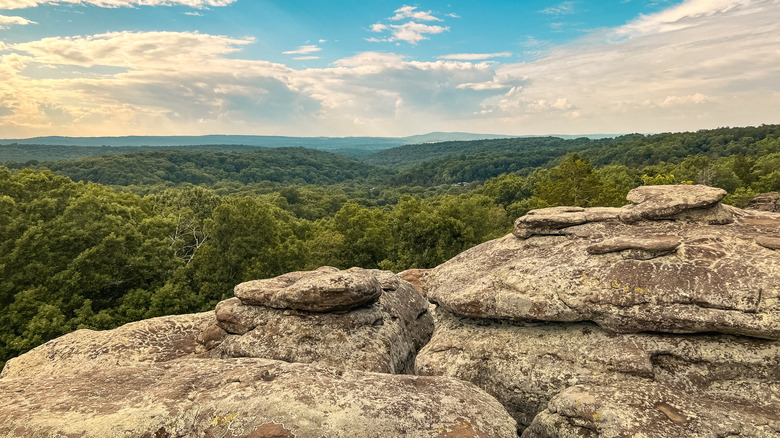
(152, 340)
(244, 397)
(324, 290)
(382, 337)
(769, 201)
(418, 278)
(685, 273)
(525, 365)
(655, 410)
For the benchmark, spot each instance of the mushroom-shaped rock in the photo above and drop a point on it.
(325, 290)
(383, 334)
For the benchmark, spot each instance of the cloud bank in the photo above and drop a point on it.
(698, 65)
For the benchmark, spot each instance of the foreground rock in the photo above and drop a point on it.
(358, 319)
(676, 290)
(654, 410)
(525, 365)
(245, 398)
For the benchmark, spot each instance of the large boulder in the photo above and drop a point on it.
(369, 320)
(676, 290)
(244, 397)
(656, 267)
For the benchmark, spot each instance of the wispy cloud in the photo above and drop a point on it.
(303, 50)
(475, 56)
(565, 8)
(19, 4)
(6, 21)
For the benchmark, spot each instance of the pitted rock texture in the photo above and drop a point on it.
(383, 337)
(769, 201)
(245, 397)
(685, 271)
(525, 365)
(153, 340)
(418, 278)
(326, 289)
(655, 410)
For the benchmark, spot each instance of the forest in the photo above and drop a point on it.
(98, 241)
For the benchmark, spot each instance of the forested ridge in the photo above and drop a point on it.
(162, 232)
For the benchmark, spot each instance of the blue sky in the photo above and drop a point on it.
(385, 68)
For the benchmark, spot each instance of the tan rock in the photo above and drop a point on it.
(677, 276)
(525, 365)
(769, 201)
(382, 337)
(244, 397)
(658, 411)
(418, 278)
(324, 290)
(149, 341)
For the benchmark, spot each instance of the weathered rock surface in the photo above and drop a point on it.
(769, 201)
(418, 278)
(674, 298)
(676, 266)
(524, 365)
(244, 397)
(383, 336)
(655, 410)
(148, 341)
(323, 290)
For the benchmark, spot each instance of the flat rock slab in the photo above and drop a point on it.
(383, 337)
(245, 398)
(676, 276)
(151, 340)
(769, 201)
(326, 289)
(525, 365)
(654, 410)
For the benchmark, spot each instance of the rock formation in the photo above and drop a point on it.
(675, 290)
(657, 319)
(358, 319)
(189, 375)
(769, 201)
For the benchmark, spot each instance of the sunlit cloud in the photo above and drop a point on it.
(303, 50)
(689, 67)
(6, 21)
(412, 12)
(19, 4)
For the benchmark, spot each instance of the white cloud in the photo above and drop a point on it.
(6, 21)
(303, 50)
(475, 56)
(131, 49)
(379, 27)
(700, 64)
(304, 58)
(19, 4)
(412, 12)
(689, 70)
(412, 32)
(564, 8)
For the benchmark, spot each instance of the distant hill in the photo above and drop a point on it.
(168, 166)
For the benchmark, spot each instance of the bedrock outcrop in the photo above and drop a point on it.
(769, 201)
(675, 290)
(360, 319)
(245, 397)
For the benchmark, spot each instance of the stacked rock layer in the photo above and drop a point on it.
(660, 318)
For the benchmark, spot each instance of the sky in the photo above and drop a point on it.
(386, 68)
